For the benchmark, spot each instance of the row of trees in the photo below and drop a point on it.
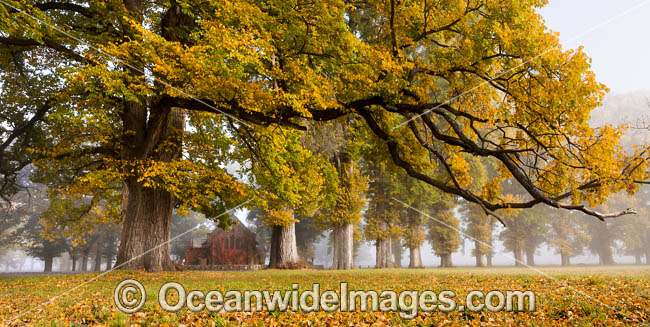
(430, 216)
(132, 109)
(25, 230)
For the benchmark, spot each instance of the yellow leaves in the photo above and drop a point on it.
(558, 304)
(279, 217)
(460, 169)
(289, 175)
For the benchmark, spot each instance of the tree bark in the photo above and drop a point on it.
(479, 260)
(384, 253)
(606, 256)
(637, 259)
(489, 258)
(47, 267)
(109, 252)
(647, 256)
(566, 260)
(98, 255)
(146, 229)
(84, 261)
(415, 257)
(284, 251)
(146, 211)
(530, 256)
(519, 256)
(478, 255)
(74, 263)
(445, 261)
(343, 247)
(397, 249)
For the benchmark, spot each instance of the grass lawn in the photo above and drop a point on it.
(615, 296)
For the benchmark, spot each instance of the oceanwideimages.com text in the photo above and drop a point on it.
(130, 296)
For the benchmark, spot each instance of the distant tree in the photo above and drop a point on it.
(634, 231)
(307, 235)
(181, 224)
(383, 214)
(341, 141)
(443, 230)
(479, 227)
(415, 199)
(604, 235)
(35, 245)
(524, 233)
(566, 234)
(13, 258)
(261, 230)
(12, 214)
(110, 246)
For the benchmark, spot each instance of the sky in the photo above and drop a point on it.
(614, 34)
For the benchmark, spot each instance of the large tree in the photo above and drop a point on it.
(137, 75)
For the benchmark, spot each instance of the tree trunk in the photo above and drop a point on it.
(384, 253)
(637, 259)
(647, 256)
(478, 255)
(519, 255)
(74, 263)
(146, 211)
(343, 247)
(148, 134)
(146, 229)
(98, 255)
(397, 252)
(445, 261)
(566, 260)
(109, 252)
(479, 260)
(415, 257)
(530, 256)
(48, 264)
(489, 257)
(284, 251)
(606, 256)
(84, 261)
